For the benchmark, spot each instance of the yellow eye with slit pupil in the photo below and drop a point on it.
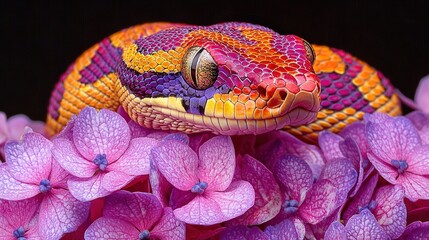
(199, 68)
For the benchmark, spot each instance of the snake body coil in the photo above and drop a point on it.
(229, 78)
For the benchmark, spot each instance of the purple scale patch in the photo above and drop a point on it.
(57, 94)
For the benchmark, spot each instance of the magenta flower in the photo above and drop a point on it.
(14, 127)
(416, 231)
(396, 151)
(19, 219)
(30, 171)
(360, 226)
(203, 183)
(101, 155)
(135, 215)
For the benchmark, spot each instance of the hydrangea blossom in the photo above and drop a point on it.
(31, 172)
(398, 154)
(19, 219)
(101, 155)
(204, 182)
(135, 216)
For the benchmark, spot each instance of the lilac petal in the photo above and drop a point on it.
(342, 174)
(319, 203)
(102, 132)
(161, 188)
(357, 132)
(18, 123)
(113, 181)
(136, 159)
(329, 143)
(67, 131)
(30, 160)
(87, 189)
(67, 155)
(335, 231)
(142, 210)
(11, 189)
(418, 118)
(61, 213)
(168, 227)
(59, 176)
(180, 198)
(197, 139)
(424, 134)
(217, 163)
(350, 149)
(268, 199)
(280, 143)
(391, 138)
(217, 207)
(177, 163)
(362, 197)
(415, 186)
(284, 230)
(416, 231)
(137, 130)
(321, 227)
(390, 211)
(386, 170)
(295, 174)
(243, 233)
(422, 97)
(181, 137)
(418, 162)
(364, 226)
(109, 228)
(17, 213)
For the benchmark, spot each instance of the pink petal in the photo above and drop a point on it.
(181, 137)
(168, 227)
(362, 197)
(335, 232)
(113, 181)
(180, 198)
(351, 151)
(418, 162)
(329, 143)
(422, 97)
(415, 186)
(67, 131)
(386, 170)
(30, 160)
(268, 199)
(61, 213)
(418, 118)
(15, 214)
(243, 233)
(295, 174)
(342, 174)
(321, 227)
(11, 189)
(319, 203)
(18, 123)
(284, 230)
(217, 163)
(357, 132)
(416, 231)
(390, 212)
(102, 132)
(177, 162)
(391, 138)
(364, 226)
(87, 189)
(59, 176)
(217, 207)
(161, 188)
(197, 139)
(109, 228)
(142, 210)
(67, 155)
(135, 161)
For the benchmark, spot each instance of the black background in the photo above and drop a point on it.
(39, 39)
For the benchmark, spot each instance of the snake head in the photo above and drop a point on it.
(230, 78)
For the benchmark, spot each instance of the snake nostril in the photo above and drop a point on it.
(262, 91)
(283, 94)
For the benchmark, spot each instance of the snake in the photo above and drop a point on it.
(231, 78)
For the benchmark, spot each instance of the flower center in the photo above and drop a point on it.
(401, 165)
(44, 186)
(199, 187)
(101, 161)
(19, 233)
(144, 235)
(290, 206)
(371, 206)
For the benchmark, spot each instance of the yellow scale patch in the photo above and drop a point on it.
(327, 61)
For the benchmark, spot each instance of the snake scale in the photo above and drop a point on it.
(229, 78)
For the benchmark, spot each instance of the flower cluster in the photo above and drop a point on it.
(104, 177)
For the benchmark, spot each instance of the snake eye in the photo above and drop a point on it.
(310, 51)
(198, 68)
